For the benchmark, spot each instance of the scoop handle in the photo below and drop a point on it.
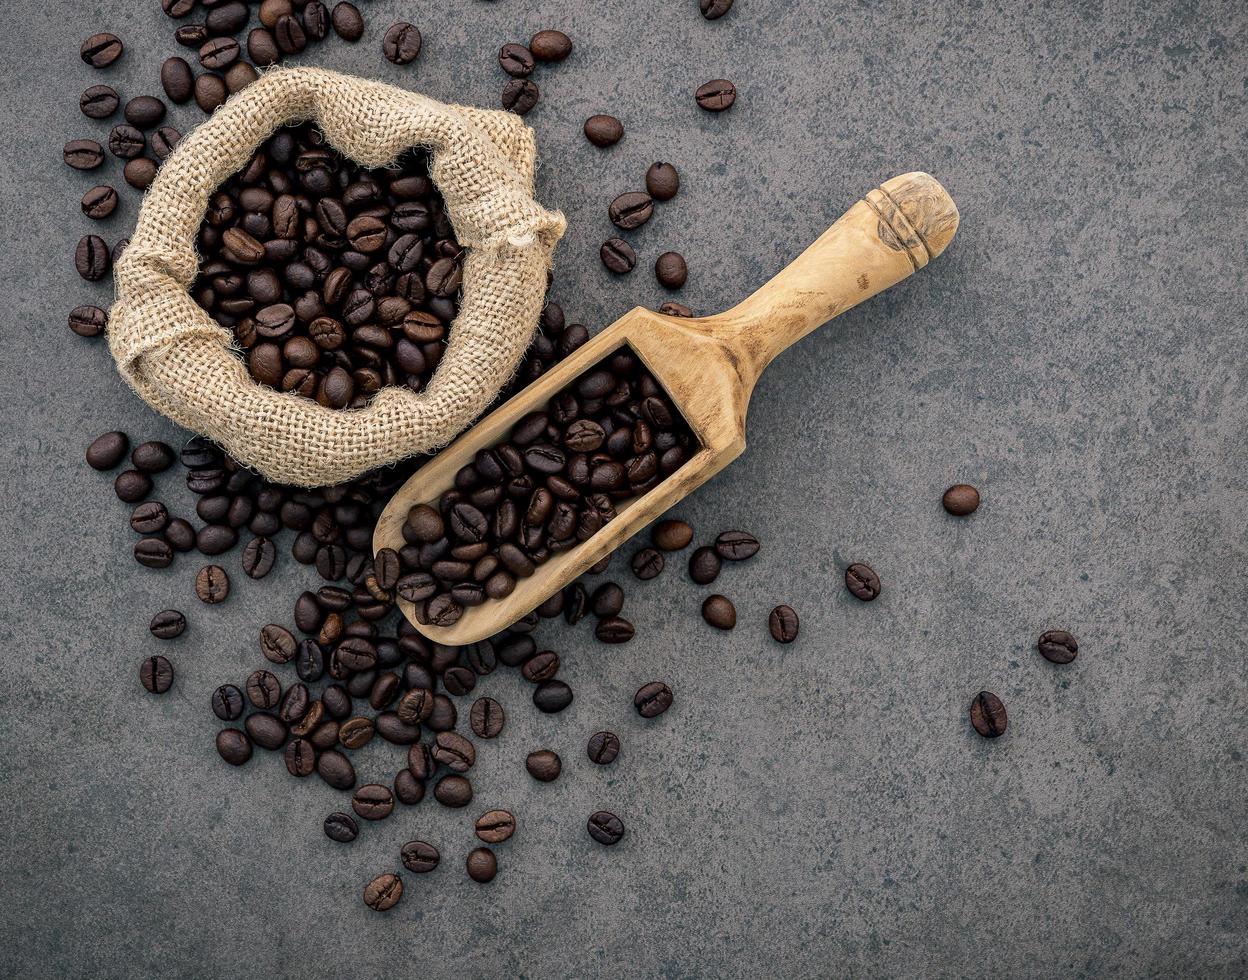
(891, 233)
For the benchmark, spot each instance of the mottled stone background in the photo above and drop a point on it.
(821, 809)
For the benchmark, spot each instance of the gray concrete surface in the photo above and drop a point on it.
(820, 809)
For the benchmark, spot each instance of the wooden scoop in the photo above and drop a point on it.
(709, 366)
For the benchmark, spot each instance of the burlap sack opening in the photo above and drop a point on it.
(179, 359)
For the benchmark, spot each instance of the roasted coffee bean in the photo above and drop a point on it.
(83, 154)
(289, 34)
(347, 21)
(454, 751)
(453, 791)
(783, 624)
(862, 581)
(607, 600)
(87, 321)
(550, 45)
(216, 539)
(988, 715)
(180, 534)
(177, 8)
(271, 11)
(614, 629)
(139, 172)
(603, 130)
(631, 210)
(662, 181)
(126, 142)
(383, 892)
(495, 826)
(300, 757)
(233, 746)
(108, 450)
(336, 769)
(482, 865)
(670, 270)
(91, 258)
(647, 564)
(227, 702)
(152, 457)
(385, 689)
(212, 585)
(99, 102)
(239, 75)
(177, 79)
(419, 856)
(605, 827)
(443, 716)
(961, 499)
(704, 565)
(1058, 646)
(486, 718)
(675, 309)
(355, 733)
(714, 9)
(408, 790)
(671, 535)
(132, 486)
(264, 690)
(736, 545)
(99, 202)
(315, 20)
(541, 667)
(652, 699)
(415, 706)
(618, 256)
(101, 50)
(516, 60)
(227, 18)
(552, 697)
(372, 801)
(191, 35)
(153, 552)
(543, 765)
(716, 95)
(167, 624)
(145, 111)
(210, 91)
(277, 644)
(520, 95)
(401, 44)
(262, 47)
(719, 612)
(341, 827)
(394, 730)
(156, 673)
(603, 748)
(149, 518)
(259, 556)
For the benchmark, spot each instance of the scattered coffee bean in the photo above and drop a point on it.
(961, 499)
(520, 95)
(603, 748)
(516, 60)
(372, 801)
(486, 718)
(347, 21)
(336, 769)
(383, 892)
(495, 826)
(670, 269)
(101, 50)
(631, 210)
(603, 130)
(167, 624)
(482, 865)
(719, 612)
(126, 142)
(210, 91)
(716, 95)
(614, 629)
(91, 258)
(140, 172)
(453, 791)
(212, 585)
(652, 699)
(99, 102)
(259, 557)
(550, 45)
(543, 765)
(152, 457)
(227, 702)
(552, 697)
(671, 535)
(605, 827)
(341, 827)
(783, 624)
(108, 450)
(714, 9)
(704, 565)
(1058, 646)
(675, 309)
(177, 79)
(401, 45)
(83, 154)
(239, 75)
(153, 553)
(454, 751)
(300, 758)
(419, 856)
(278, 644)
(164, 141)
(233, 746)
(149, 518)
(156, 673)
(736, 545)
(264, 690)
(131, 486)
(87, 321)
(662, 181)
(357, 732)
(862, 581)
(146, 111)
(618, 256)
(988, 715)
(647, 564)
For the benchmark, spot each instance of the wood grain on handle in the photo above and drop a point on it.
(893, 232)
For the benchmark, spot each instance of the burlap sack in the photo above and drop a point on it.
(178, 358)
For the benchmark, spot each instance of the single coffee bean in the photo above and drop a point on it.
(486, 718)
(289, 34)
(495, 826)
(191, 35)
(212, 585)
(454, 751)
(99, 102)
(614, 629)
(259, 557)
(716, 95)
(153, 553)
(271, 11)
(341, 827)
(670, 269)
(278, 644)
(226, 18)
(233, 746)
(662, 181)
(262, 47)
(108, 450)
(607, 600)
(603, 748)
(131, 486)
(156, 673)
(239, 75)
(355, 733)
(383, 892)
(516, 60)
(216, 539)
(736, 545)
(149, 518)
(347, 21)
(91, 258)
(87, 321)
(552, 697)
(675, 309)
(482, 865)
(393, 730)
(988, 715)
(316, 20)
(126, 142)
(401, 44)
(180, 534)
(408, 790)
(550, 45)
(101, 50)
(419, 856)
(719, 612)
(647, 564)
(300, 757)
(1058, 646)
(453, 791)
(177, 79)
(264, 690)
(782, 622)
(336, 769)
(618, 256)
(140, 172)
(961, 499)
(372, 801)
(603, 130)
(146, 111)
(227, 702)
(167, 624)
(152, 457)
(83, 154)
(543, 765)
(520, 95)
(210, 91)
(652, 699)
(605, 827)
(704, 565)
(714, 9)
(631, 210)
(862, 581)
(671, 535)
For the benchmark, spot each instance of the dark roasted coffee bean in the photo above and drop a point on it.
(139, 172)
(603, 748)
(227, 18)
(614, 629)
(132, 486)
(482, 865)
(552, 697)
(454, 751)
(618, 256)
(198, 453)
(550, 45)
(541, 667)
(631, 210)
(156, 673)
(167, 624)
(495, 826)
(87, 321)
(988, 715)
(347, 22)
(341, 827)
(419, 857)
(91, 258)
(714, 9)
(704, 565)
(99, 102)
(671, 535)
(652, 699)
(277, 644)
(458, 681)
(385, 689)
(108, 450)
(383, 892)
(453, 791)
(662, 181)
(177, 8)
(294, 704)
(177, 79)
(239, 75)
(603, 130)
(675, 309)
(543, 765)
(262, 47)
(372, 801)
(99, 202)
(736, 545)
(219, 53)
(227, 702)
(271, 11)
(862, 581)
(210, 91)
(300, 757)
(264, 690)
(212, 585)
(520, 95)
(355, 733)
(153, 552)
(605, 827)
(443, 716)
(126, 142)
(670, 270)
(180, 534)
(233, 746)
(961, 499)
(716, 95)
(144, 111)
(259, 556)
(401, 44)
(152, 457)
(783, 624)
(486, 718)
(607, 600)
(516, 60)
(647, 564)
(216, 539)
(289, 34)
(719, 612)
(1058, 646)
(83, 154)
(191, 35)
(394, 730)
(336, 769)
(149, 518)
(408, 790)
(101, 50)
